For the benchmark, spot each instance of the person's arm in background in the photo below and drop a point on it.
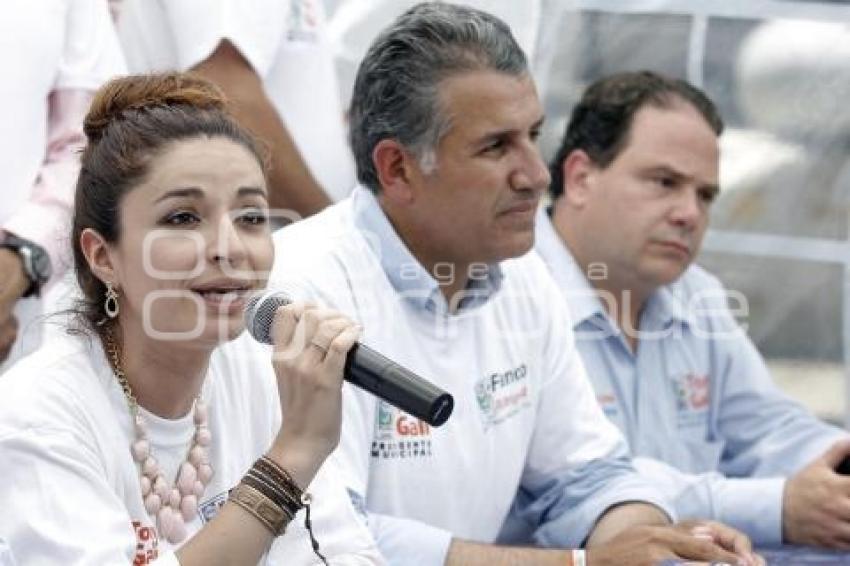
(644, 545)
(769, 437)
(44, 217)
(763, 507)
(13, 284)
(8, 334)
(291, 185)
(90, 56)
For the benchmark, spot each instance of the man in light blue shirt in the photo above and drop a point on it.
(632, 187)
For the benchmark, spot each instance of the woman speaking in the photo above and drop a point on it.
(130, 440)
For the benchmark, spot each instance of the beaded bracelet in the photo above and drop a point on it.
(260, 506)
(269, 492)
(281, 476)
(282, 496)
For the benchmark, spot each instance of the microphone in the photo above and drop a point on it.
(364, 367)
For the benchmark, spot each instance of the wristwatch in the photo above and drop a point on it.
(34, 258)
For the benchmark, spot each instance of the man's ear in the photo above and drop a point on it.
(578, 170)
(98, 255)
(396, 169)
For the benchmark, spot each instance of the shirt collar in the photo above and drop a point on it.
(665, 306)
(668, 305)
(581, 297)
(405, 273)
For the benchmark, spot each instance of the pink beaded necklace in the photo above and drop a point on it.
(171, 506)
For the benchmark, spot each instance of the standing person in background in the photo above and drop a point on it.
(273, 61)
(131, 440)
(633, 184)
(53, 56)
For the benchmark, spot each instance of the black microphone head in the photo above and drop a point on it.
(259, 314)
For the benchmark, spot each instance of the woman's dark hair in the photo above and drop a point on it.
(130, 121)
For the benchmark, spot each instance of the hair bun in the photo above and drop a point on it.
(140, 92)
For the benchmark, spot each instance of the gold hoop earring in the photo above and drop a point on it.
(110, 305)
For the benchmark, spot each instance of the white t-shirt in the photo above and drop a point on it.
(70, 488)
(44, 46)
(525, 414)
(285, 43)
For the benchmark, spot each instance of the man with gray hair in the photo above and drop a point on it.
(430, 256)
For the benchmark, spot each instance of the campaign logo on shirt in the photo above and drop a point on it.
(502, 395)
(693, 395)
(399, 436)
(147, 544)
(303, 21)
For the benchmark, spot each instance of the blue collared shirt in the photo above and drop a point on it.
(695, 401)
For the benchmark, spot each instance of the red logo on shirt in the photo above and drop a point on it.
(399, 435)
(699, 391)
(694, 392)
(405, 425)
(147, 544)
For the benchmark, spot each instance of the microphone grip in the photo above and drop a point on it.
(377, 374)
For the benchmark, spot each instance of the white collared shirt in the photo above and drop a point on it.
(524, 418)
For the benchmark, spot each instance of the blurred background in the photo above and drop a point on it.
(779, 70)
